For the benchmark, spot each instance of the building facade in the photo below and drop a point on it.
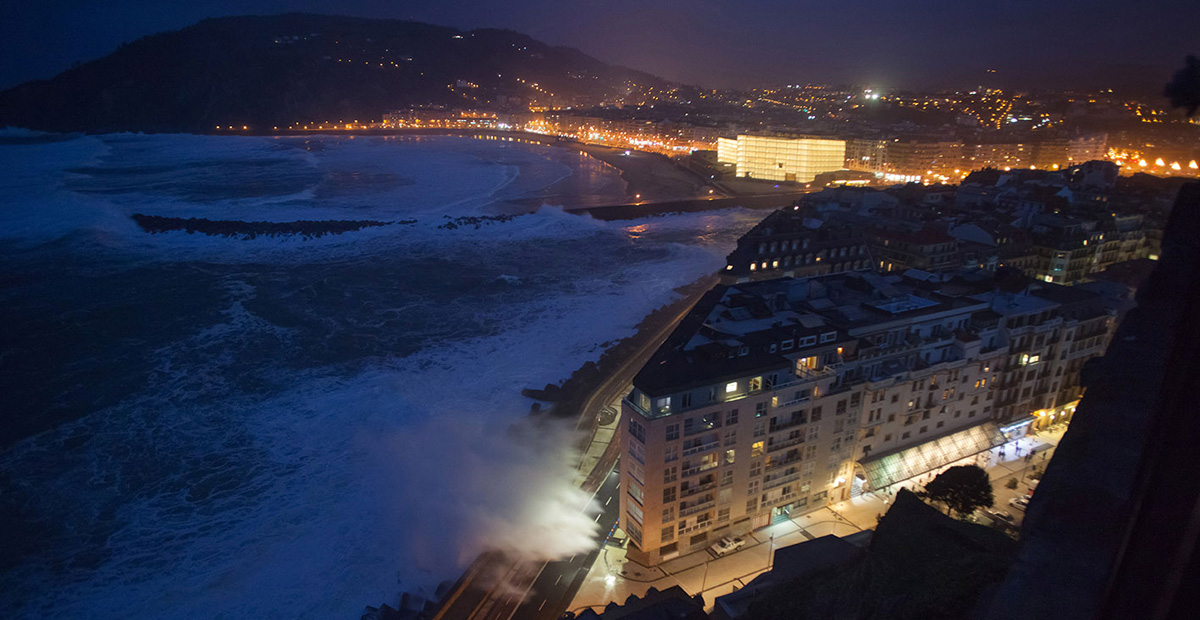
(772, 158)
(774, 397)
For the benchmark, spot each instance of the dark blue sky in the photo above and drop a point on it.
(912, 43)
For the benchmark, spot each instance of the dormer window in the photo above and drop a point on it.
(829, 337)
(788, 344)
(731, 387)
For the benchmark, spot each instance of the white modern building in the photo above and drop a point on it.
(771, 158)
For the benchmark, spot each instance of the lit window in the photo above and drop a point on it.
(731, 387)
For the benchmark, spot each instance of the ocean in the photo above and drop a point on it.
(299, 426)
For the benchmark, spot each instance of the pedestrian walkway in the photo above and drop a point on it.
(604, 433)
(614, 577)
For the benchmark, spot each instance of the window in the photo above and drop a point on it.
(731, 387)
(756, 449)
(668, 514)
(731, 437)
(751, 505)
(670, 453)
(906, 435)
(755, 384)
(887, 437)
(813, 433)
(685, 400)
(828, 337)
(841, 407)
(816, 414)
(891, 417)
(663, 405)
(670, 474)
(668, 495)
(941, 424)
(760, 409)
(672, 432)
(729, 456)
(924, 428)
(726, 478)
(668, 533)
(637, 430)
(635, 512)
(722, 515)
(637, 451)
(787, 345)
(731, 417)
(895, 398)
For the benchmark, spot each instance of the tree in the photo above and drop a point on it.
(962, 489)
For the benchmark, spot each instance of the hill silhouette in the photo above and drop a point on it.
(276, 70)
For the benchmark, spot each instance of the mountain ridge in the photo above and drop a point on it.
(265, 71)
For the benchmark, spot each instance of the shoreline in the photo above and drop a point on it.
(649, 177)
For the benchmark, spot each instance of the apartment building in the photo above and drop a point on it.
(795, 242)
(774, 397)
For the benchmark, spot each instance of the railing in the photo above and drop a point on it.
(771, 484)
(777, 464)
(692, 471)
(703, 447)
(691, 510)
(785, 444)
(775, 428)
(797, 401)
(699, 489)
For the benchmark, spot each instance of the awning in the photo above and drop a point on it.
(890, 468)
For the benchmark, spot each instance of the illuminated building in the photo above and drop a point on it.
(776, 397)
(797, 160)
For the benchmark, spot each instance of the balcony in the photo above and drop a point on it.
(785, 444)
(703, 447)
(696, 490)
(692, 471)
(803, 399)
(782, 480)
(783, 463)
(691, 510)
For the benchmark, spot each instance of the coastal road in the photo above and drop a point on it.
(556, 586)
(531, 590)
(470, 600)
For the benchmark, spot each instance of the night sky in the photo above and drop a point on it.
(890, 43)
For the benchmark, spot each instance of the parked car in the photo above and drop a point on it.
(1020, 503)
(1002, 516)
(728, 544)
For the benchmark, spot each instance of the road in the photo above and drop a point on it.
(559, 581)
(531, 590)
(552, 585)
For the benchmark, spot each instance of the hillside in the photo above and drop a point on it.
(277, 70)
